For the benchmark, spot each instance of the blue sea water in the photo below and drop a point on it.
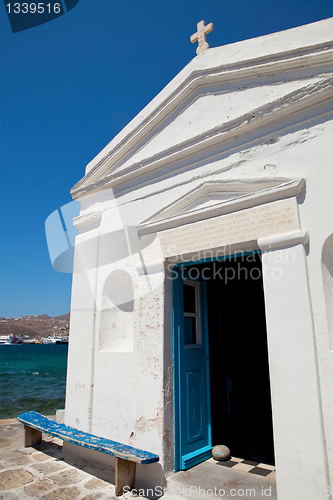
(32, 377)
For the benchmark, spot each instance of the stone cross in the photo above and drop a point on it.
(200, 35)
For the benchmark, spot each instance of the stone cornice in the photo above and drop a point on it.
(247, 193)
(283, 240)
(87, 221)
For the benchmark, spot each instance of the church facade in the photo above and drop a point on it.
(202, 299)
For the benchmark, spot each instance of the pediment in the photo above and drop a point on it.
(215, 112)
(213, 198)
(204, 121)
(226, 93)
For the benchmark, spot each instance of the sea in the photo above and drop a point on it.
(32, 377)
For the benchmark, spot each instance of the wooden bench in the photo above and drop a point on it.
(126, 456)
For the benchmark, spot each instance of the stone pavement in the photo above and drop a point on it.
(43, 472)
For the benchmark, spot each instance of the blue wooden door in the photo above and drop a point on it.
(193, 420)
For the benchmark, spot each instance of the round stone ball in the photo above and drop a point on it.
(221, 452)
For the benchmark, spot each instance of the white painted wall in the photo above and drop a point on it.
(296, 405)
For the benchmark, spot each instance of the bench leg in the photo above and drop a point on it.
(125, 475)
(31, 435)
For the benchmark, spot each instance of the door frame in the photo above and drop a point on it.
(177, 313)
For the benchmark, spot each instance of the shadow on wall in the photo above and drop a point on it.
(327, 270)
(116, 331)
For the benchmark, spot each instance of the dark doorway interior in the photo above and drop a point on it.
(239, 372)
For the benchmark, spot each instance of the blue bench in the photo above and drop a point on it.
(126, 456)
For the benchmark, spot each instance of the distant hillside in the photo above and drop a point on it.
(36, 327)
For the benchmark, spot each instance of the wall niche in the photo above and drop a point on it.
(116, 326)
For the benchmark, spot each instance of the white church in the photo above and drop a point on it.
(202, 299)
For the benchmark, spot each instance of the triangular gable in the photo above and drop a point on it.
(212, 113)
(222, 94)
(211, 199)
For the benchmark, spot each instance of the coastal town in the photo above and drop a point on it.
(36, 329)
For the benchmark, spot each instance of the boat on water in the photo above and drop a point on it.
(10, 340)
(56, 341)
(62, 341)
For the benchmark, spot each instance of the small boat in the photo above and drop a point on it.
(55, 341)
(50, 340)
(63, 341)
(10, 340)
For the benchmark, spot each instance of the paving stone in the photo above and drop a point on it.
(14, 478)
(9, 454)
(99, 496)
(92, 497)
(5, 442)
(68, 476)
(82, 464)
(15, 436)
(51, 449)
(96, 483)
(40, 457)
(2, 466)
(9, 421)
(18, 461)
(37, 488)
(48, 467)
(61, 494)
(11, 431)
(9, 496)
(27, 451)
(14, 458)
(13, 424)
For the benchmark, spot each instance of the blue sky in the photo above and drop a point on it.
(67, 87)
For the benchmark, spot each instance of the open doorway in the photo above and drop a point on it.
(239, 371)
(241, 413)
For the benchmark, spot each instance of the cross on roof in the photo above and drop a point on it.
(200, 35)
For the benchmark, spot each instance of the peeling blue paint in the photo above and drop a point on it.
(80, 438)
